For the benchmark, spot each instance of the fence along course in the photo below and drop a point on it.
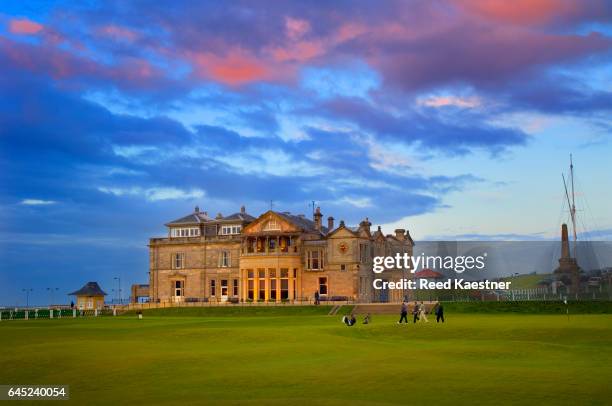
(33, 314)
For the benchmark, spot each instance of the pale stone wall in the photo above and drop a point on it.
(339, 283)
(201, 264)
(348, 272)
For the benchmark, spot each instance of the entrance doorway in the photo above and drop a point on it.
(178, 291)
(224, 290)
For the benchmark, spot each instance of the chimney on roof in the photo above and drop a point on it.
(365, 224)
(330, 223)
(197, 209)
(242, 209)
(400, 234)
(317, 218)
(206, 213)
(341, 223)
(219, 216)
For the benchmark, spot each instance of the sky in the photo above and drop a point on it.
(452, 119)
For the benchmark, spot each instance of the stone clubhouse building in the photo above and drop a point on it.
(275, 257)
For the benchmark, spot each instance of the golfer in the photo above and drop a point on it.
(403, 314)
(415, 312)
(439, 313)
(349, 321)
(423, 313)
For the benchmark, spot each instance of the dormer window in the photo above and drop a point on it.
(230, 230)
(272, 225)
(185, 232)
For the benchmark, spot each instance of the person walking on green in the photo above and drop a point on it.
(403, 314)
(415, 312)
(423, 313)
(439, 313)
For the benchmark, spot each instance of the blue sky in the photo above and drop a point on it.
(453, 119)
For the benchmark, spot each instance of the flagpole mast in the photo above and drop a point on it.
(571, 202)
(573, 208)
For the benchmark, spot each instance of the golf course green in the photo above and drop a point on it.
(293, 356)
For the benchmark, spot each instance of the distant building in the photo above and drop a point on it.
(138, 293)
(429, 275)
(275, 257)
(90, 296)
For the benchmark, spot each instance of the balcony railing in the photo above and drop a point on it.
(158, 240)
(246, 253)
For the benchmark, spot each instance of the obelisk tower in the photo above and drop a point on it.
(568, 271)
(565, 251)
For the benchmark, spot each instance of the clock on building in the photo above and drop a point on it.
(343, 247)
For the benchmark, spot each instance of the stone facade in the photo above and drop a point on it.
(275, 257)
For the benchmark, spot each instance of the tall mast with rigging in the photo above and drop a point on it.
(568, 271)
(571, 202)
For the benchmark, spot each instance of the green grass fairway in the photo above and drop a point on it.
(526, 281)
(314, 359)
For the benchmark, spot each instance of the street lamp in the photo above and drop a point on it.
(118, 279)
(27, 292)
(51, 290)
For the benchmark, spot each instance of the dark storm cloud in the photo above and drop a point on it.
(429, 131)
(560, 94)
(69, 153)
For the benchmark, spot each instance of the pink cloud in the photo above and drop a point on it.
(118, 33)
(526, 11)
(135, 70)
(349, 31)
(280, 62)
(443, 101)
(24, 26)
(298, 52)
(414, 47)
(476, 53)
(134, 73)
(296, 28)
(235, 68)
